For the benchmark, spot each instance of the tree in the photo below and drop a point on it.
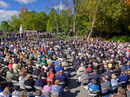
(15, 23)
(64, 21)
(49, 27)
(105, 16)
(52, 21)
(41, 20)
(5, 26)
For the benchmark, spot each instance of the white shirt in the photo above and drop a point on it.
(2, 94)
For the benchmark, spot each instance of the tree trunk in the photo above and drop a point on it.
(67, 26)
(93, 23)
(75, 11)
(57, 25)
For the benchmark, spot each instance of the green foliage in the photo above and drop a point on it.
(40, 21)
(112, 17)
(120, 38)
(15, 23)
(5, 27)
(51, 24)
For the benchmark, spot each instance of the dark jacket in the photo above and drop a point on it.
(36, 72)
(40, 82)
(30, 82)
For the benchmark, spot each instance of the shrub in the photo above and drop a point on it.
(120, 38)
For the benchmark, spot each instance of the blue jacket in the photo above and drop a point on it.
(93, 87)
(58, 68)
(2, 55)
(123, 78)
(61, 78)
(57, 89)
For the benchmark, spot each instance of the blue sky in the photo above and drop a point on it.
(12, 7)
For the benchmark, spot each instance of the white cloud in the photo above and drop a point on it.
(25, 1)
(6, 14)
(60, 7)
(3, 4)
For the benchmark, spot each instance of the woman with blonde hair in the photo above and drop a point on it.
(57, 89)
(114, 82)
(29, 82)
(5, 93)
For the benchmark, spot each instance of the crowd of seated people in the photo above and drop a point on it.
(40, 66)
(103, 68)
(28, 66)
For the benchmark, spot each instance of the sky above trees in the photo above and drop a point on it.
(12, 7)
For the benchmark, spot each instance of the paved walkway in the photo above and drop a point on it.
(74, 89)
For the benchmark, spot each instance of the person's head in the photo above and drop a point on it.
(22, 75)
(95, 71)
(105, 78)
(10, 62)
(23, 94)
(128, 87)
(38, 93)
(30, 58)
(29, 62)
(121, 91)
(109, 65)
(10, 70)
(39, 67)
(128, 72)
(113, 76)
(7, 54)
(89, 65)
(94, 82)
(57, 82)
(61, 72)
(6, 90)
(117, 68)
(128, 63)
(50, 71)
(42, 70)
(55, 95)
(65, 60)
(28, 77)
(82, 65)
